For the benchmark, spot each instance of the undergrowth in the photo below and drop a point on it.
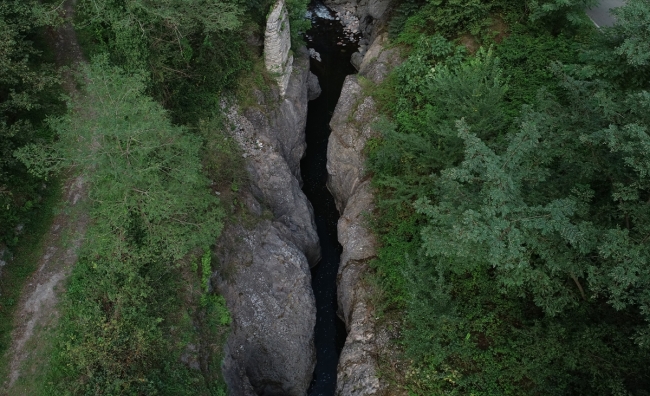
(26, 258)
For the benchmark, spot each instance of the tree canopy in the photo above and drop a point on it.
(514, 208)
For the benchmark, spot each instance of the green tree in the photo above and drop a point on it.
(559, 11)
(27, 93)
(151, 207)
(193, 50)
(518, 237)
(145, 175)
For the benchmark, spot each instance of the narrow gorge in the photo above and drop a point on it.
(279, 267)
(324, 197)
(331, 49)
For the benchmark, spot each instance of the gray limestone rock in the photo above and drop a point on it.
(283, 121)
(272, 182)
(264, 267)
(314, 89)
(266, 282)
(356, 60)
(351, 126)
(277, 45)
(376, 8)
(314, 54)
(378, 61)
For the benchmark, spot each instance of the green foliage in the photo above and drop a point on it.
(25, 261)
(193, 51)
(559, 11)
(28, 90)
(400, 16)
(450, 18)
(431, 95)
(620, 54)
(299, 24)
(632, 25)
(469, 338)
(151, 207)
(525, 58)
(478, 19)
(513, 196)
(146, 174)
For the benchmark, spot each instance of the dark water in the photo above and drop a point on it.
(331, 71)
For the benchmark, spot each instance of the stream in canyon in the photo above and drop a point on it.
(327, 38)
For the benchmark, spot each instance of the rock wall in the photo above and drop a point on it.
(264, 267)
(350, 185)
(364, 17)
(277, 45)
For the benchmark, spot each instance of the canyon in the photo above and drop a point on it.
(292, 303)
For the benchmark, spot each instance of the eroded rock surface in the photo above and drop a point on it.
(264, 262)
(277, 45)
(378, 61)
(351, 127)
(350, 185)
(361, 16)
(267, 284)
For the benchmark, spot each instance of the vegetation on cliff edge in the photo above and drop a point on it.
(513, 199)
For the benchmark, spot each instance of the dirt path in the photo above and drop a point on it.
(37, 313)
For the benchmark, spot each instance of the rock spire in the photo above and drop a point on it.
(277, 45)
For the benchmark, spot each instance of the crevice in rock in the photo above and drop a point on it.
(330, 48)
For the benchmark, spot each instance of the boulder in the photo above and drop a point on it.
(314, 54)
(313, 87)
(377, 8)
(356, 60)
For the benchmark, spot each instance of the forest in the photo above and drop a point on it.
(513, 194)
(511, 170)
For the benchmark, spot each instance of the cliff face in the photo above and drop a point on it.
(350, 186)
(264, 271)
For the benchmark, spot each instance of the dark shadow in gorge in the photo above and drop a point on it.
(335, 65)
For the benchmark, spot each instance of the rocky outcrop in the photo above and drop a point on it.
(362, 16)
(283, 119)
(264, 262)
(350, 185)
(351, 127)
(277, 45)
(378, 61)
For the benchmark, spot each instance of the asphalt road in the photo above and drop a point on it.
(601, 16)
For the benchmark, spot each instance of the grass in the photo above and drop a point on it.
(25, 262)
(255, 85)
(36, 363)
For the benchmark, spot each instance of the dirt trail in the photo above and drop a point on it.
(37, 311)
